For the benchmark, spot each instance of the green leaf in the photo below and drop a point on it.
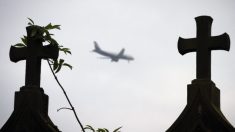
(31, 22)
(117, 130)
(106, 130)
(61, 61)
(101, 130)
(46, 35)
(56, 27)
(20, 45)
(69, 52)
(50, 26)
(65, 50)
(55, 65)
(68, 65)
(89, 128)
(24, 40)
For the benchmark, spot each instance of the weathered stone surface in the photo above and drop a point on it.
(30, 112)
(202, 112)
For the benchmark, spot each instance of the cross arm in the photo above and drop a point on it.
(17, 54)
(50, 51)
(187, 45)
(221, 42)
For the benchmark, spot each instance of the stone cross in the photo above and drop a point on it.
(33, 53)
(203, 44)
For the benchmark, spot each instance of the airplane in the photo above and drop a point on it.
(114, 57)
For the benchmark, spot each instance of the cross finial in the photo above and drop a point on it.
(203, 44)
(33, 53)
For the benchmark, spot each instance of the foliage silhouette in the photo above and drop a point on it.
(101, 129)
(47, 37)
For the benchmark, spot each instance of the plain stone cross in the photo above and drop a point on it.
(33, 53)
(203, 44)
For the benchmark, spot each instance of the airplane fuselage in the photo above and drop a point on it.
(114, 57)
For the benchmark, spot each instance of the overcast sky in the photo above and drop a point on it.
(145, 95)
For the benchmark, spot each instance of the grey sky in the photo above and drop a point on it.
(146, 95)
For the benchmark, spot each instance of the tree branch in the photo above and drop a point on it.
(64, 108)
(72, 108)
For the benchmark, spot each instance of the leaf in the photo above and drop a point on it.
(101, 130)
(55, 65)
(50, 26)
(47, 35)
(56, 27)
(24, 40)
(117, 130)
(59, 65)
(106, 130)
(65, 50)
(20, 45)
(68, 65)
(69, 52)
(31, 22)
(61, 61)
(90, 128)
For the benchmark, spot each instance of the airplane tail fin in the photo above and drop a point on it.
(121, 52)
(97, 47)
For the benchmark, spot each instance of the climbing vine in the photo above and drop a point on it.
(47, 37)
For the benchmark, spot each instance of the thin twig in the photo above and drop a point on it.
(72, 108)
(62, 108)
